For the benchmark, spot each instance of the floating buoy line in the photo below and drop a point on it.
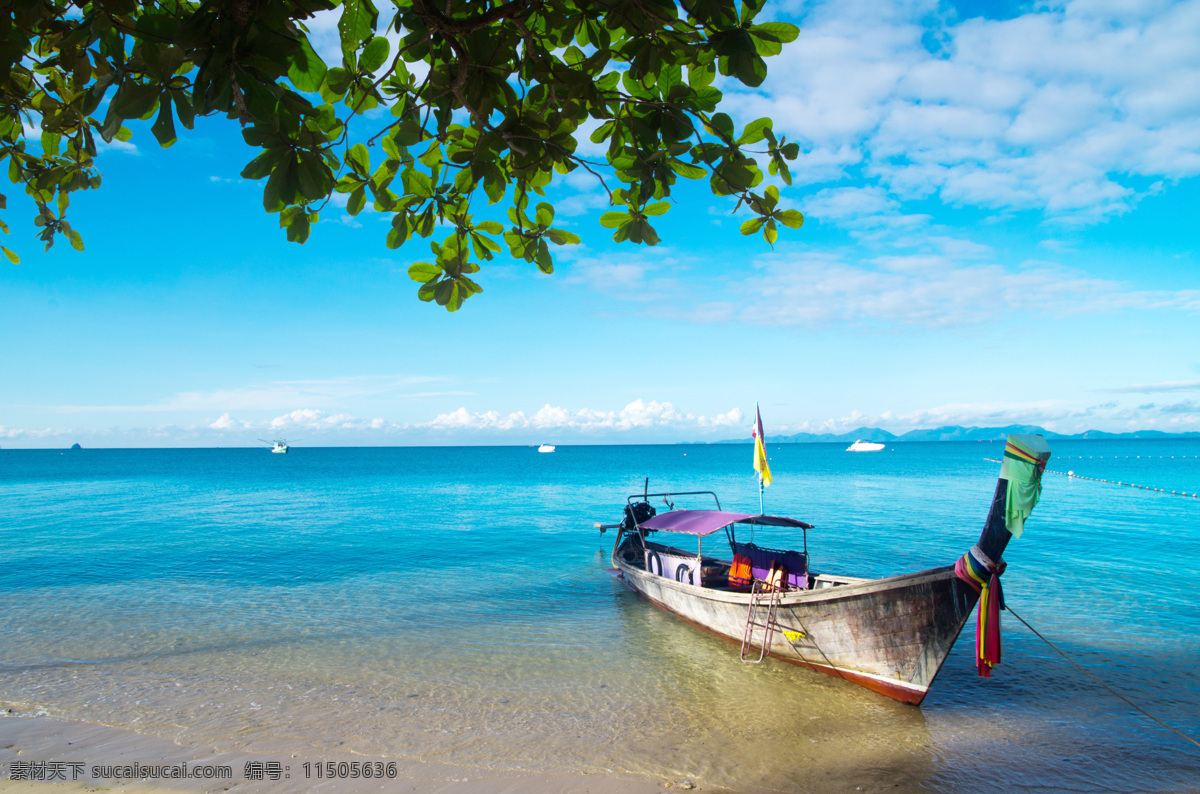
(1123, 457)
(1074, 476)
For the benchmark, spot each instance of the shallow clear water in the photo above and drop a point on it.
(450, 604)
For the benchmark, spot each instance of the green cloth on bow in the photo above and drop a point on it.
(1025, 458)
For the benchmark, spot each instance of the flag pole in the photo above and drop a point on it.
(759, 440)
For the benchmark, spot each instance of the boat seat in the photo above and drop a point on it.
(761, 558)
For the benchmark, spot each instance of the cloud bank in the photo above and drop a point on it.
(1072, 109)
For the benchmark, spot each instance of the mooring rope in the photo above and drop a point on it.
(1074, 476)
(1088, 673)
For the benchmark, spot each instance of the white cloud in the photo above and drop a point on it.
(931, 290)
(632, 275)
(638, 414)
(1058, 110)
(1153, 388)
(224, 422)
(275, 395)
(1054, 415)
(124, 147)
(580, 204)
(638, 422)
(316, 420)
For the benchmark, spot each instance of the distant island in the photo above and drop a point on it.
(953, 433)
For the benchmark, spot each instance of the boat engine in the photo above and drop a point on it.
(637, 513)
(631, 547)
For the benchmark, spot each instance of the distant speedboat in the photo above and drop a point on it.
(546, 448)
(864, 446)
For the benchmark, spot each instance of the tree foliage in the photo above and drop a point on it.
(432, 114)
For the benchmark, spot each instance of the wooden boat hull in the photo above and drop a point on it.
(889, 635)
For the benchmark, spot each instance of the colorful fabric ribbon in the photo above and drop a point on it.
(1025, 459)
(983, 576)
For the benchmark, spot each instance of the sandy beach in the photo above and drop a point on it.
(80, 750)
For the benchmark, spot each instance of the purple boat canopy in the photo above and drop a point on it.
(706, 522)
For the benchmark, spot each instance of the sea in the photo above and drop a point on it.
(453, 605)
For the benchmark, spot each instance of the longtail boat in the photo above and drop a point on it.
(889, 635)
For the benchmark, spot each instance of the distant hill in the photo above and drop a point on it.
(951, 433)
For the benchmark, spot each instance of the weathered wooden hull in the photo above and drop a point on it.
(889, 635)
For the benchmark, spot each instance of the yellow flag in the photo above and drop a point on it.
(760, 449)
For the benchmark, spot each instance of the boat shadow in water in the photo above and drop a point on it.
(769, 727)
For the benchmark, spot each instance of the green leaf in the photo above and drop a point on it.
(164, 127)
(306, 70)
(494, 188)
(750, 9)
(470, 285)
(544, 261)
(357, 200)
(335, 84)
(417, 183)
(356, 25)
(544, 215)
(658, 208)
(649, 235)
(134, 100)
(12, 257)
(445, 292)
(50, 142)
(790, 218)
(315, 178)
(721, 125)
(753, 225)
(561, 237)
(76, 240)
(612, 220)
(374, 54)
(359, 159)
(297, 224)
(399, 233)
(602, 133)
(281, 187)
(687, 170)
(490, 227)
(781, 32)
(184, 109)
(754, 132)
(425, 272)
(263, 164)
(770, 233)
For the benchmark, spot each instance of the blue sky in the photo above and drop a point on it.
(1000, 203)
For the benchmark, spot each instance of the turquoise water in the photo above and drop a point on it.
(450, 604)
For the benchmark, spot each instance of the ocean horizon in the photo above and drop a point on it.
(451, 604)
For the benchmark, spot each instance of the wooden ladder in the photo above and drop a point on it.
(757, 598)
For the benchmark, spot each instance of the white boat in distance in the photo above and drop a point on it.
(546, 448)
(279, 447)
(864, 446)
